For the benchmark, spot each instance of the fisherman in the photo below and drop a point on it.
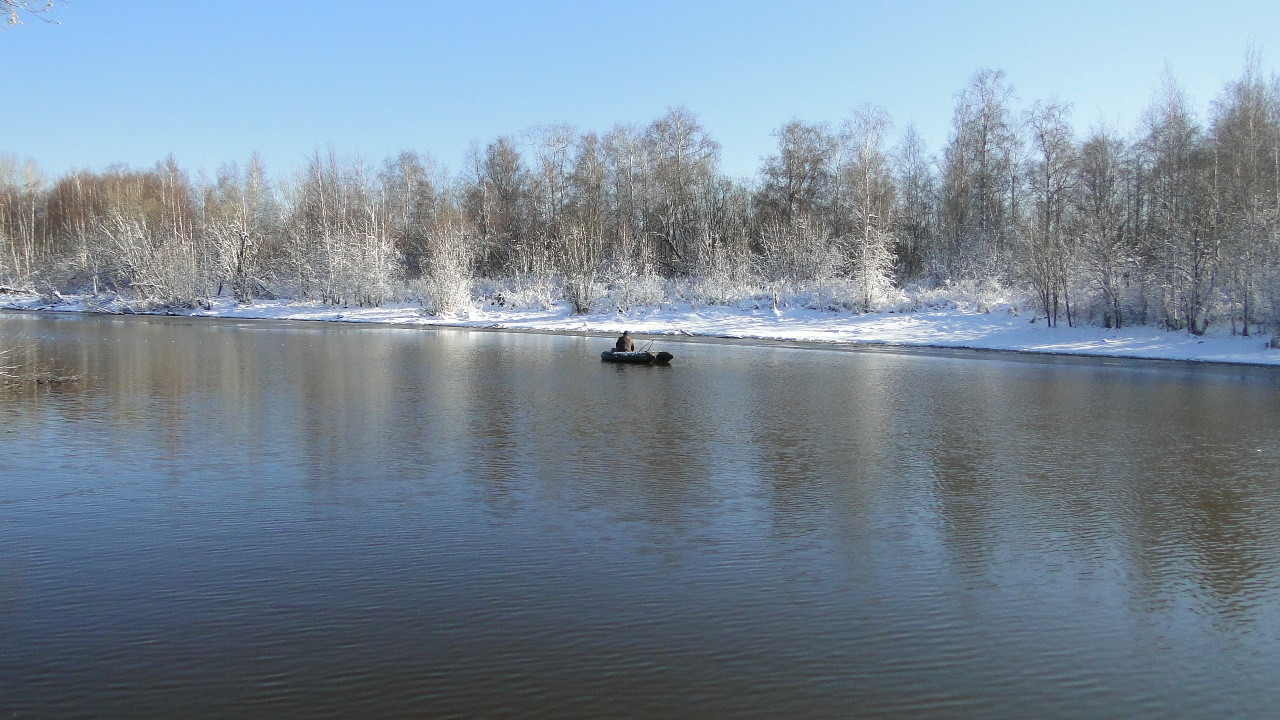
(624, 343)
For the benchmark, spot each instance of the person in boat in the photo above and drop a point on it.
(624, 343)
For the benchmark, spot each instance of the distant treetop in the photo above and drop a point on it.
(13, 10)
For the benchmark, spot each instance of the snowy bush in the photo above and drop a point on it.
(581, 292)
(449, 271)
(159, 270)
(533, 292)
(524, 291)
(442, 296)
(796, 254)
(639, 290)
(728, 279)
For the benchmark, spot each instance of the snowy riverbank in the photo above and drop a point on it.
(956, 326)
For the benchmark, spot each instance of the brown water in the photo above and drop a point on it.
(225, 519)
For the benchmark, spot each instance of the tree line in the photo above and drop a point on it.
(1176, 223)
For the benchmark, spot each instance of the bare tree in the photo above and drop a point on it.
(71, 208)
(1181, 245)
(797, 181)
(341, 246)
(450, 265)
(580, 242)
(497, 203)
(1101, 219)
(1050, 176)
(142, 230)
(1180, 224)
(917, 204)
(871, 204)
(979, 183)
(627, 157)
(1245, 134)
(683, 156)
(412, 189)
(21, 200)
(797, 255)
(239, 223)
(553, 148)
(723, 243)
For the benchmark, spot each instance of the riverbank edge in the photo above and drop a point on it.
(955, 328)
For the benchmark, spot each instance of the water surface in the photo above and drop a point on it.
(224, 518)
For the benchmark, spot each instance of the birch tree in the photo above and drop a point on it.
(917, 204)
(412, 188)
(497, 204)
(581, 239)
(1245, 136)
(978, 179)
(240, 225)
(143, 229)
(21, 205)
(1101, 220)
(626, 155)
(73, 204)
(683, 156)
(341, 245)
(14, 10)
(1050, 176)
(553, 148)
(450, 265)
(871, 205)
(1179, 210)
(797, 180)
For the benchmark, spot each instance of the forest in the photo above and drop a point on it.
(1174, 223)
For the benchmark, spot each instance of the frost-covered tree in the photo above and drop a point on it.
(869, 206)
(797, 256)
(1177, 223)
(339, 239)
(72, 207)
(1101, 220)
(549, 183)
(1047, 252)
(240, 222)
(413, 190)
(580, 240)
(723, 242)
(450, 265)
(916, 185)
(1179, 241)
(683, 158)
(627, 157)
(497, 203)
(140, 229)
(979, 183)
(21, 206)
(1245, 138)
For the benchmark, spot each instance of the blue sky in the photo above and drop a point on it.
(210, 82)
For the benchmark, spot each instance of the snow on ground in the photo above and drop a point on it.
(953, 327)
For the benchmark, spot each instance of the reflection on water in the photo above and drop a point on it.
(298, 520)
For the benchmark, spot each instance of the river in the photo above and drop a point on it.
(268, 519)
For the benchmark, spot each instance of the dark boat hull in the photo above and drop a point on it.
(638, 357)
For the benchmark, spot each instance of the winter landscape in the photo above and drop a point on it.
(980, 325)
(1170, 230)
(302, 307)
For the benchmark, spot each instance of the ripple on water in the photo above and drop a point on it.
(487, 525)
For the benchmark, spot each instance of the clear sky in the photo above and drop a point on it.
(132, 81)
